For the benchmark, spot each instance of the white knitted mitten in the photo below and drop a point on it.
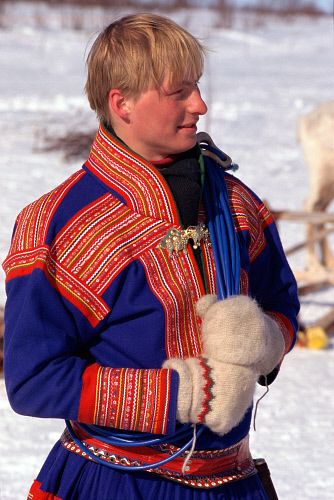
(237, 331)
(240, 342)
(211, 392)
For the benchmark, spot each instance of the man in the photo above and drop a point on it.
(112, 318)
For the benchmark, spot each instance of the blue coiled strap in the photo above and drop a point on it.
(121, 438)
(134, 439)
(223, 236)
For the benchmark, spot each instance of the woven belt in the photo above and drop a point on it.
(205, 469)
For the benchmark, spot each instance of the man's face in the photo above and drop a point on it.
(163, 121)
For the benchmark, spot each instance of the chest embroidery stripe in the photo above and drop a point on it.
(78, 231)
(209, 265)
(103, 239)
(177, 291)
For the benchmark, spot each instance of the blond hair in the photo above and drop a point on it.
(136, 53)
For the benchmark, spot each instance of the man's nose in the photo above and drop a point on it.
(197, 104)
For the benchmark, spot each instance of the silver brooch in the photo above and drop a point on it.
(176, 240)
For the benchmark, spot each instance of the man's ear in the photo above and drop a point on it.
(119, 105)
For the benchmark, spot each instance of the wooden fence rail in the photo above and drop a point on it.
(304, 216)
(320, 236)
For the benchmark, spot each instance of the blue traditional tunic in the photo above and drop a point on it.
(95, 305)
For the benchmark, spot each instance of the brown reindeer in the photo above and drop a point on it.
(316, 136)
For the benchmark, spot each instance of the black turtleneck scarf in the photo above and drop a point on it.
(183, 177)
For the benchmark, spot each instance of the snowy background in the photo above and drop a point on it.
(259, 79)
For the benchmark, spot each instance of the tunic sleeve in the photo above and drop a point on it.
(271, 280)
(49, 371)
(266, 276)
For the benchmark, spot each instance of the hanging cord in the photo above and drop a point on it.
(190, 452)
(258, 401)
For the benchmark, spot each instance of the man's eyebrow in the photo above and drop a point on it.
(170, 90)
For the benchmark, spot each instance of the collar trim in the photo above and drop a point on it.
(137, 181)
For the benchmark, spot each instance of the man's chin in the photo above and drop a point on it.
(186, 145)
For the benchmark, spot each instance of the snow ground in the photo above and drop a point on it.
(258, 81)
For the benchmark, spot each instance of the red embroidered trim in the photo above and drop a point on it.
(137, 181)
(207, 389)
(36, 493)
(285, 327)
(207, 468)
(126, 398)
(102, 239)
(176, 285)
(209, 266)
(265, 216)
(244, 282)
(249, 215)
(23, 263)
(34, 220)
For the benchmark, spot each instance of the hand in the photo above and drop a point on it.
(212, 392)
(240, 342)
(237, 331)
